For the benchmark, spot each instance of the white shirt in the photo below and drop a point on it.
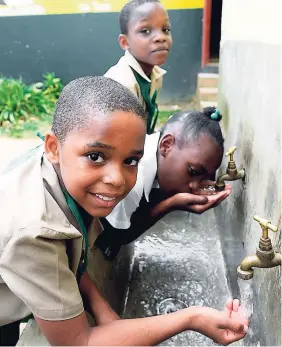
(146, 180)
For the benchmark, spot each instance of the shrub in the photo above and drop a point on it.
(21, 104)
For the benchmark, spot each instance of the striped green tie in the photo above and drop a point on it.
(151, 105)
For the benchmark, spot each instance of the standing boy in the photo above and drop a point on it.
(146, 38)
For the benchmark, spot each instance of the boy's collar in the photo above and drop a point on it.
(52, 185)
(157, 71)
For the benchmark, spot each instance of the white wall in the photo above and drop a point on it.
(250, 99)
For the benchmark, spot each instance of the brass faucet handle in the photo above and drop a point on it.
(231, 152)
(265, 225)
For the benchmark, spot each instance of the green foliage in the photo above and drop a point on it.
(23, 106)
(165, 114)
(52, 86)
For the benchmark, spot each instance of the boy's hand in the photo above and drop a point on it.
(223, 327)
(234, 310)
(199, 203)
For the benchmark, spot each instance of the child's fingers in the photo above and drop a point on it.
(211, 201)
(232, 337)
(197, 199)
(219, 201)
(243, 315)
(242, 312)
(216, 199)
(236, 305)
(228, 307)
(234, 325)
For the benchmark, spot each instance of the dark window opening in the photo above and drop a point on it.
(215, 34)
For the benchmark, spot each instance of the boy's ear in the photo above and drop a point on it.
(123, 42)
(166, 144)
(51, 146)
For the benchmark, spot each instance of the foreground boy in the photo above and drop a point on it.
(49, 204)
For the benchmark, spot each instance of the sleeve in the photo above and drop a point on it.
(121, 214)
(112, 239)
(36, 270)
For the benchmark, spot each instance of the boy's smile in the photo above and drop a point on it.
(149, 37)
(98, 165)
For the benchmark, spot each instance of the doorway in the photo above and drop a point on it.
(211, 32)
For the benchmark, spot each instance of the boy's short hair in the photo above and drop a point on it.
(89, 97)
(127, 11)
(188, 126)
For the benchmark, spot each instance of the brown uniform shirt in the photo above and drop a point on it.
(40, 244)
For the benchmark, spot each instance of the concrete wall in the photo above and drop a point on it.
(76, 45)
(250, 99)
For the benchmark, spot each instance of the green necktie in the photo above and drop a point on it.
(79, 218)
(151, 105)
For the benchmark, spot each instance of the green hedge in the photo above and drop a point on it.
(22, 106)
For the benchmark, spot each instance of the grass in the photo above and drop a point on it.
(163, 117)
(25, 108)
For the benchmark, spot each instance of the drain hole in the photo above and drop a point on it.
(170, 305)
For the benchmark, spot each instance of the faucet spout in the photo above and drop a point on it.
(232, 174)
(245, 270)
(265, 256)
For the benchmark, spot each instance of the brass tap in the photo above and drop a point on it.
(232, 174)
(265, 256)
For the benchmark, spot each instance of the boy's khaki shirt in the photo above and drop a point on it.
(40, 245)
(122, 73)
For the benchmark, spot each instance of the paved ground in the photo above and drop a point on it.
(10, 148)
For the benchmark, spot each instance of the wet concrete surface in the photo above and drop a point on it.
(231, 232)
(178, 263)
